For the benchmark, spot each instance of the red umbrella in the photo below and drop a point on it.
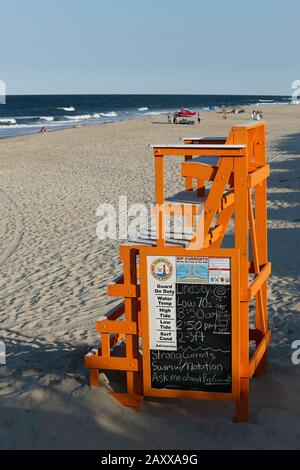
(185, 112)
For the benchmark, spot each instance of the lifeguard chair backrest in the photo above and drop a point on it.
(247, 134)
(253, 135)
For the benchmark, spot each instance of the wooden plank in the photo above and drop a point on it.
(257, 283)
(123, 290)
(159, 197)
(227, 201)
(199, 146)
(138, 243)
(216, 192)
(94, 378)
(134, 380)
(249, 125)
(199, 171)
(213, 235)
(257, 357)
(105, 326)
(241, 243)
(259, 298)
(223, 221)
(205, 151)
(105, 344)
(188, 179)
(261, 234)
(113, 363)
(258, 176)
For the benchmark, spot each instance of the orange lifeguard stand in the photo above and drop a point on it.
(231, 180)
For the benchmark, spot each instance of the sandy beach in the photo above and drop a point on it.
(53, 277)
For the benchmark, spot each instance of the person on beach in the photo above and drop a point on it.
(42, 130)
(169, 118)
(253, 115)
(198, 118)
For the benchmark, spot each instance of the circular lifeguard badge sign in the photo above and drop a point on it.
(161, 269)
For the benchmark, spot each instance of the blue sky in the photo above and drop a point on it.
(153, 46)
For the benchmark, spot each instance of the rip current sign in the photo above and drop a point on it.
(190, 321)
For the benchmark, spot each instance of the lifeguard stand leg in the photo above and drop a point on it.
(241, 242)
(133, 398)
(94, 378)
(261, 235)
(242, 406)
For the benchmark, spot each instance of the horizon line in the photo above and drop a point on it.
(146, 94)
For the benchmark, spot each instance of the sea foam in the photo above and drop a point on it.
(154, 113)
(71, 108)
(47, 118)
(111, 114)
(8, 121)
(79, 117)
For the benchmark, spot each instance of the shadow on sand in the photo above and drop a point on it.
(46, 403)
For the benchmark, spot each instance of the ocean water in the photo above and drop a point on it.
(27, 114)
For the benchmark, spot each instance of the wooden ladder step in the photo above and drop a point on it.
(204, 160)
(186, 197)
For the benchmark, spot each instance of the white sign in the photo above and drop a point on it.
(162, 303)
(2, 353)
(2, 92)
(219, 271)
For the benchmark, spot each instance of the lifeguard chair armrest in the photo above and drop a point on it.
(250, 124)
(198, 139)
(200, 146)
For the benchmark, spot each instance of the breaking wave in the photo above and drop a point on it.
(7, 121)
(47, 118)
(71, 108)
(111, 114)
(154, 113)
(79, 117)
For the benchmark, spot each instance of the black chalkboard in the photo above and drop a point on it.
(202, 361)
